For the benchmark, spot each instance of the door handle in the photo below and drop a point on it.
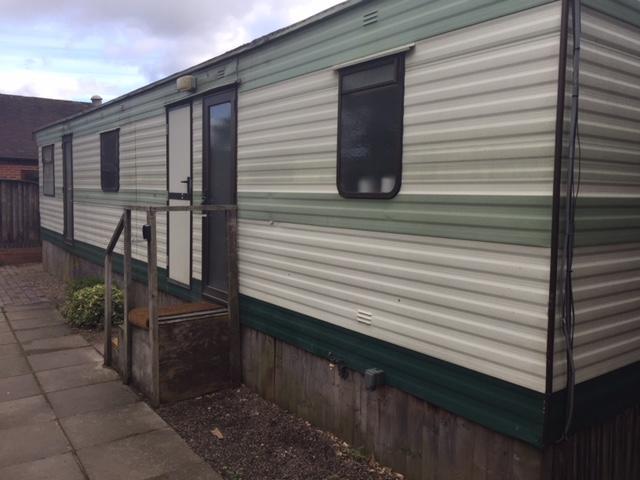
(188, 182)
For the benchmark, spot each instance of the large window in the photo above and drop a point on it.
(48, 176)
(110, 161)
(370, 128)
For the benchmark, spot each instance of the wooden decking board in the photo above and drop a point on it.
(140, 316)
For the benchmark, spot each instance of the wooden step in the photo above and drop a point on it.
(139, 317)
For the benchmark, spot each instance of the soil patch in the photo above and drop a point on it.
(243, 436)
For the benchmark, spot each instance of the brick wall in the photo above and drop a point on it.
(12, 171)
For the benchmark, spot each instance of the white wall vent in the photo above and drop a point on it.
(364, 317)
(369, 18)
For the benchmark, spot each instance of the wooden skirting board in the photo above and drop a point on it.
(139, 317)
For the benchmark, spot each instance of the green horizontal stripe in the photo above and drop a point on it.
(121, 198)
(504, 407)
(626, 10)
(606, 221)
(501, 219)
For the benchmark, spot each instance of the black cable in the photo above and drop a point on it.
(573, 189)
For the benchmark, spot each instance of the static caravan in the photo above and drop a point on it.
(438, 224)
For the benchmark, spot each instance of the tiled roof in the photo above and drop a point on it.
(20, 116)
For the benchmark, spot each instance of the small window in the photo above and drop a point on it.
(110, 161)
(370, 129)
(48, 176)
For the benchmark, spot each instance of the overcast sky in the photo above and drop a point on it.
(72, 49)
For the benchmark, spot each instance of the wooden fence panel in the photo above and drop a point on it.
(19, 214)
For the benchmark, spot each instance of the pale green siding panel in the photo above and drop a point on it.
(513, 220)
(344, 37)
(625, 10)
(122, 198)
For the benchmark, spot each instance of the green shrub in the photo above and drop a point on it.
(79, 284)
(84, 308)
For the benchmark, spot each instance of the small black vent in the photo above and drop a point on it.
(370, 18)
(220, 73)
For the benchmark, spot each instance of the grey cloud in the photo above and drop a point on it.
(156, 38)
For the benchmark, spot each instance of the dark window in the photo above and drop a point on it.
(48, 177)
(370, 128)
(110, 161)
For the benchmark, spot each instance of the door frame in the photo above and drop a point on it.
(168, 108)
(230, 94)
(67, 184)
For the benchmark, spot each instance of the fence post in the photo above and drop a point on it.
(235, 354)
(108, 309)
(127, 300)
(152, 285)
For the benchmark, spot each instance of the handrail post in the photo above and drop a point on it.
(235, 353)
(108, 292)
(108, 309)
(127, 300)
(152, 286)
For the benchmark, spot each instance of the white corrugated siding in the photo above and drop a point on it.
(607, 277)
(479, 305)
(479, 116)
(479, 119)
(51, 213)
(196, 264)
(610, 107)
(142, 173)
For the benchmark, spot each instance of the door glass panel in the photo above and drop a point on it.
(220, 191)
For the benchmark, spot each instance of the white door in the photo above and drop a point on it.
(179, 139)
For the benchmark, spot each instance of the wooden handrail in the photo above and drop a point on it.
(108, 289)
(124, 224)
(116, 235)
(183, 208)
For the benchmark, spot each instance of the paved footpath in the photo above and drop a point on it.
(63, 416)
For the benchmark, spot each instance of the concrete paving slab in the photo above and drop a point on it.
(22, 386)
(31, 313)
(12, 366)
(10, 350)
(195, 471)
(59, 467)
(75, 376)
(76, 401)
(104, 426)
(7, 338)
(63, 358)
(31, 442)
(138, 457)
(25, 411)
(43, 332)
(29, 306)
(44, 319)
(4, 327)
(45, 345)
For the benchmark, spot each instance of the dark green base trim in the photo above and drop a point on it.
(96, 255)
(501, 406)
(597, 400)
